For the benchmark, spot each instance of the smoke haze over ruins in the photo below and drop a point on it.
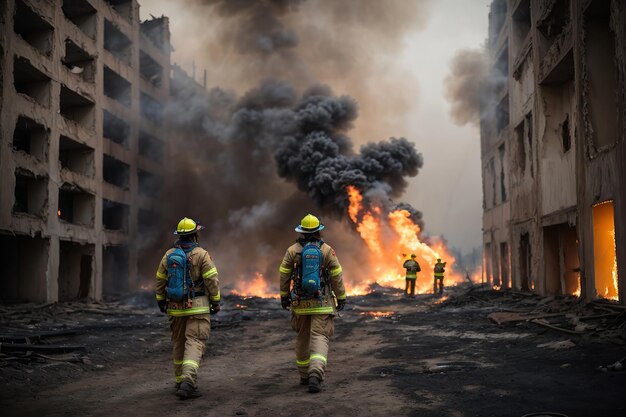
(302, 48)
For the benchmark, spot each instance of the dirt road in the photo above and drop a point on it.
(389, 357)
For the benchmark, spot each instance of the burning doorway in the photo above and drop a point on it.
(605, 260)
(560, 256)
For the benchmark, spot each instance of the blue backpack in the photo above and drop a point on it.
(311, 270)
(179, 283)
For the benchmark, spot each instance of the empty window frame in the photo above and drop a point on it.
(123, 7)
(151, 109)
(32, 28)
(76, 157)
(76, 205)
(31, 194)
(82, 14)
(31, 137)
(78, 61)
(31, 82)
(502, 114)
(115, 129)
(115, 171)
(116, 87)
(117, 43)
(150, 146)
(150, 69)
(115, 215)
(77, 108)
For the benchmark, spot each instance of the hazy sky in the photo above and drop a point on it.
(448, 189)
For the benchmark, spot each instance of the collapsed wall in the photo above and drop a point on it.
(81, 86)
(553, 137)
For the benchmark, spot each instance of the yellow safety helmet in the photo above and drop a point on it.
(309, 224)
(187, 226)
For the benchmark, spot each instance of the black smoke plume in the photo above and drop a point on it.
(251, 166)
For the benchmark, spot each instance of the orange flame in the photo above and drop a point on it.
(614, 290)
(377, 314)
(355, 199)
(257, 287)
(441, 299)
(369, 229)
(388, 236)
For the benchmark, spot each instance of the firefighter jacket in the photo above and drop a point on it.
(412, 268)
(439, 269)
(332, 268)
(206, 284)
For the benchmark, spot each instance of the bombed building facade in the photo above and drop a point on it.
(553, 146)
(82, 86)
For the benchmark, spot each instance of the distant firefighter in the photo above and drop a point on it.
(412, 268)
(440, 269)
(188, 290)
(314, 269)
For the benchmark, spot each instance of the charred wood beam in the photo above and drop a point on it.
(550, 326)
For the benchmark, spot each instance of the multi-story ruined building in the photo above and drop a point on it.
(553, 137)
(82, 140)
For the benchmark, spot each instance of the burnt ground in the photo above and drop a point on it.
(389, 356)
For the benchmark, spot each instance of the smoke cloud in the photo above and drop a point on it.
(247, 165)
(465, 86)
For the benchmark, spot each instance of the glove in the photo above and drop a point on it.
(285, 302)
(162, 305)
(215, 307)
(341, 304)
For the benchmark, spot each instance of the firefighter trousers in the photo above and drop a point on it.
(314, 332)
(438, 286)
(410, 287)
(189, 334)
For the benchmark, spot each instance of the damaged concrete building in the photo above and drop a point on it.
(83, 84)
(553, 146)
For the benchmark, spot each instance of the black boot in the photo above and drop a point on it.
(187, 390)
(314, 384)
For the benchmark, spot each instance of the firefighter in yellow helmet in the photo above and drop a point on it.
(412, 268)
(187, 289)
(439, 270)
(310, 280)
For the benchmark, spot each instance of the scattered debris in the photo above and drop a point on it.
(507, 317)
(558, 345)
(617, 366)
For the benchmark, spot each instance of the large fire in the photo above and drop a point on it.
(257, 287)
(391, 238)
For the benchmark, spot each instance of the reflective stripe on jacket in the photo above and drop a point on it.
(412, 268)
(200, 305)
(439, 270)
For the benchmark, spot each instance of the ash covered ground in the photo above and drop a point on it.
(390, 356)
